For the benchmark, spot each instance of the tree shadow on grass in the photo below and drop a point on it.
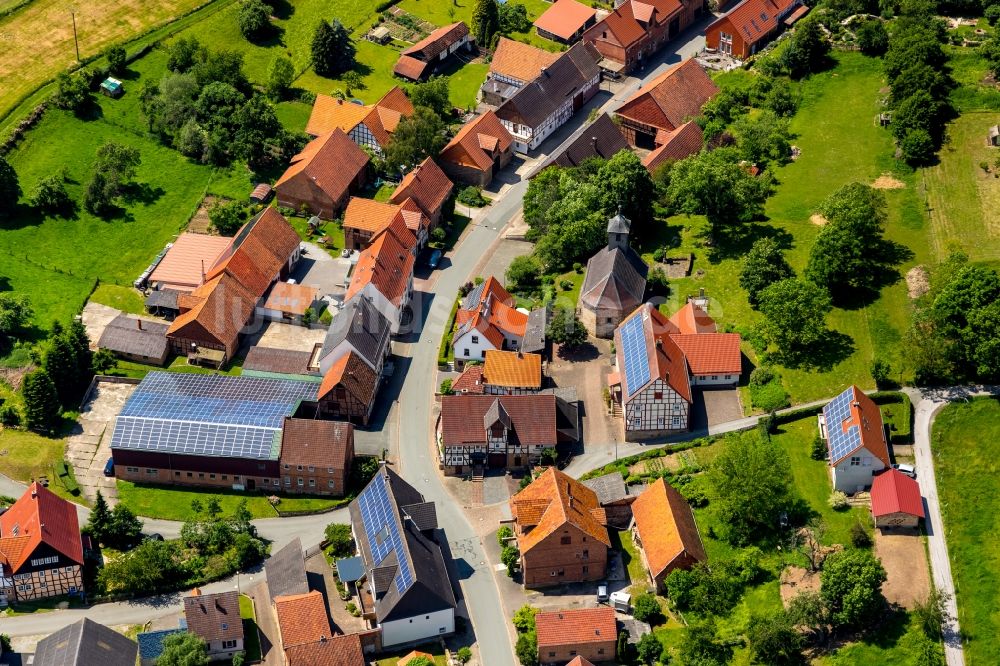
(281, 9)
(880, 272)
(142, 193)
(734, 241)
(833, 348)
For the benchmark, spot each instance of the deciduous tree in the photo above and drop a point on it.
(773, 639)
(10, 188)
(415, 138)
(851, 587)
(432, 94)
(280, 77)
(117, 59)
(50, 196)
(794, 314)
(764, 265)
(183, 649)
(716, 185)
(254, 19)
(15, 315)
(566, 329)
(701, 645)
(72, 90)
(627, 186)
(524, 275)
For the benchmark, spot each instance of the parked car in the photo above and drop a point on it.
(434, 259)
(908, 470)
(602, 593)
(109, 467)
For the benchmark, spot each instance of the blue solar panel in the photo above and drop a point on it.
(208, 415)
(378, 515)
(835, 413)
(635, 354)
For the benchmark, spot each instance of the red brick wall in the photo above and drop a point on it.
(543, 564)
(560, 654)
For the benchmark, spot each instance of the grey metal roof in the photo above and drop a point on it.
(615, 279)
(533, 341)
(601, 138)
(564, 78)
(361, 324)
(610, 488)
(134, 336)
(431, 589)
(163, 298)
(350, 569)
(286, 571)
(86, 643)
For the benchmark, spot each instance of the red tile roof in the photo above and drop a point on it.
(520, 61)
(575, 627)
(328, 165)
(492, 315)
(315, 442)
(467, 149)
(409, 67)
(865, 414)
(579, 661)
(666, 527)
(552, 501)
(565, 18)
(40, 516)
(386, 264)
(753, 20)
(352, 372)
(470, 381)
(711, 353)
(533, 417)
(291, 298)
(630, 22)
(336, 651)
(895, 492)
(302, 619)
(440, 40)
(189, 258)
(691, 319)
(672, 98)
(682, 142)
(427, 185)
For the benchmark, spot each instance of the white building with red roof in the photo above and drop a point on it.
(857, 448)
(661, 359)
(896, 500)
(487, 319)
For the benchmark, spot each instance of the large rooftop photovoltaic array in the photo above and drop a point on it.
(378, 514)
(835, 413)
(635, 353)
(208, 415)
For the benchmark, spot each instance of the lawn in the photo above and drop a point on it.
(121, 298)
(965, 464)
(48, 24)
(568, 297)
(836, 149)
(56, 261)
(25, 455)
(964, 200)
(332, 230)
(251, 644)
(433, 649)
(174, 503)
(622, 542)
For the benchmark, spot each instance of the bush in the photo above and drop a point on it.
(464, 654)
(117, 59)
(565, 285)
(472, 196)
(761, 376)
(9, 416)
(819, 447)
(510, 556)
(352, 608)
(503, 534)
(837, 501)
(992, 14)
(524, 619)
(340, 542)
(446, 388)
(577, 267)
(880, 371)
(860, 538)
(917, 147)
(526, 649)
(646, 608)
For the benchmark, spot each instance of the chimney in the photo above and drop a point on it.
(138, 324)
(202, 270)
(545, 71)
(659, 343)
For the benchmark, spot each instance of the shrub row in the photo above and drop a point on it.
(446, 337)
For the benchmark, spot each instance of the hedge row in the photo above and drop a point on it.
(625, 463)
(446, 337)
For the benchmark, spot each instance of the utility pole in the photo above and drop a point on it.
(76, 42)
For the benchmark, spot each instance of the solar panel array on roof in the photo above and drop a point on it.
(635, 354)
(835, 413)
(208, 415)
(379, 518)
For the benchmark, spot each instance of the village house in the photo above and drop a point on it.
(285, 571)
(426, 57)
(561, 531)
(857, 449)
(316, 456)
(41, 552)
(302, 619)
(135, 339)
(401, 578)
(587, 633)
(513, 65)
(213, 316)
(366, 218)
(601, 138)
(370, 126)
(614, 497)
(677, 144)
(896, 500)
(750, 25)
(183, 267)
(85, 643)
(428, 187)
(636, 29)
(321, 177)
(615, 282)
(215, 618)
(543, 105)
(384, 274)
(665, 532)
(348, 390)
(664, 104)
(502, 373)
(479, 151)
(476, 432)
(565, 21)
(487, 319)
(659, 360)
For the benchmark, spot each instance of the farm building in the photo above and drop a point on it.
(896, 500)
(665, 532)
(135, 339)
(479, 151)
(426, 57)
(323, 175)
(565, 21)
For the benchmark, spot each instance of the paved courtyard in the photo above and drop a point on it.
(318, 269)
(716, 406)
(89, 446)
(289, 336)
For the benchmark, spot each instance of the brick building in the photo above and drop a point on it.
(635, 30)
(316, 456)
(321, 177)
(479, 151)
(665, 532)
(750, 25)
(588, 633)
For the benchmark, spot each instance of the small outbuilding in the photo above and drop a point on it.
(896, 500)
(993, 138)
(261, 194)
(112, 87)
(136, 339)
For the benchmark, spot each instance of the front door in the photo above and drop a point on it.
(251, 484)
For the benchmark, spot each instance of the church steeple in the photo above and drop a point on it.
(618, 231)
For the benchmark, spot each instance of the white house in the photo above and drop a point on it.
(487, 320)
(852, 426)
(358, 327)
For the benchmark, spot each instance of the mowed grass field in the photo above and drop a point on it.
(963, 199)
(965, 464)
(37, 40)
(839, 144)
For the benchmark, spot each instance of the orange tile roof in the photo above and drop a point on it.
(578, 626)
(666, 527)
(387, 265)
(409, 67)
(335, 651)
(630, 23)
(368, 214)
(427, 185)
(414, 655)
(565, 501)
(413, 218)
(221, 308)
(682, 142)
(470, 381)
(302, 618)
(691, 319)
(328, 164)
(41, 516)
(354, 374)
(711, 353)
(466, 148)
(293, 298)
(579, 661)
(397, 101)
(512, 369)
(753, 20)
(866, 416)
(565, 18)
(492, 315)
(185, 263)
(520, 61)
(329, 113)
(672, 98)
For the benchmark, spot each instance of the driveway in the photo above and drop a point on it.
(904, 559)
(714, 407)
(89, 447)
(318, 269)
